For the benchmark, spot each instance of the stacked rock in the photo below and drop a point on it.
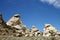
(35, 32)
(15, 22)
(18, 29)
(27, 32)
(49, 30)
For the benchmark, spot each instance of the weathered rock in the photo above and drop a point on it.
(2, 22)
(38, 33)
(27, 32)
(57, 34)
(49, 30)
(15, 22)
(35, 31)
(31, 34)
(17, 29)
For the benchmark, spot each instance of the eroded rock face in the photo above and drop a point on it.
(35, 31)
(49, 30)
(27, 32)
(15, 20)
(17, 28)
(57, 34)
(2, 22)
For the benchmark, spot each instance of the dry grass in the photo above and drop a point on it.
(28, 38)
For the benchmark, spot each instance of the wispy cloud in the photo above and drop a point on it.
(55, 3)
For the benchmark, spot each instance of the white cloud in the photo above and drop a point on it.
(55, 3)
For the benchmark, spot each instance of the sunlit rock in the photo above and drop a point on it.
(16, 22)
(35, 31)
(27, 32)
(49, 30)
(57, 34)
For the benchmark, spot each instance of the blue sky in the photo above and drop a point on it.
(32, 12)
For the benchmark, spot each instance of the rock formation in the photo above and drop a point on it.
(57, 34)
(15, 22)
(49, 30)
(35, 31)
(27, 32)
(2, 22)
(14, 27)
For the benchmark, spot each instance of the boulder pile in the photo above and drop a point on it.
(15, 27)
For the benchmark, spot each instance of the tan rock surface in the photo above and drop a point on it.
(49, 30)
